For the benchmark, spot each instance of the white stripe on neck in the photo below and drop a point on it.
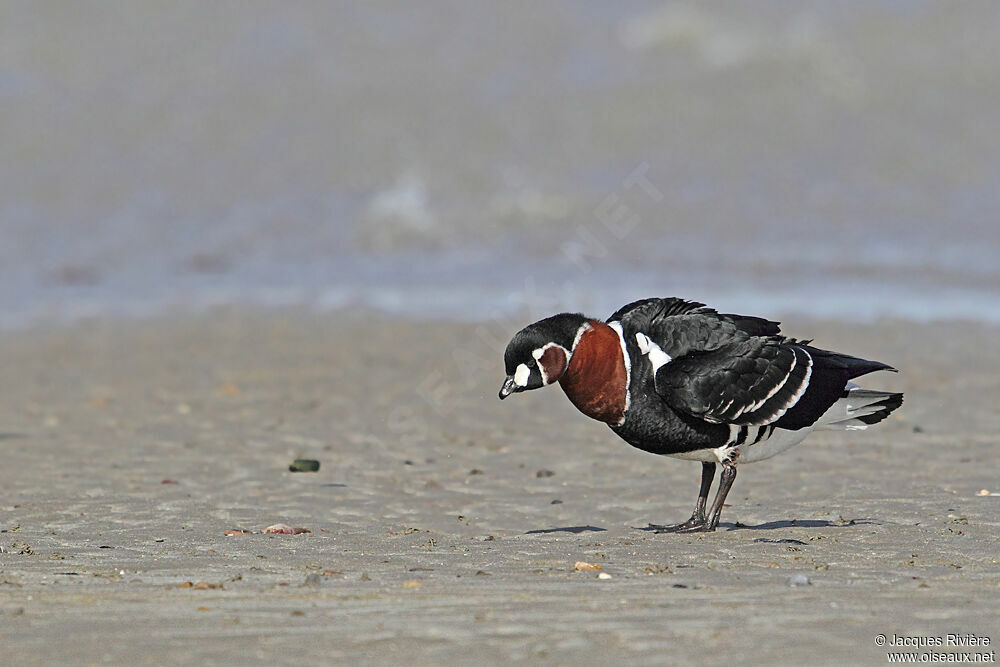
(617, 326)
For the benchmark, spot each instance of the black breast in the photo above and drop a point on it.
(652, 426)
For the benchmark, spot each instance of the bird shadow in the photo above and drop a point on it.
(781, 525)
(798, 523)
(576, 530)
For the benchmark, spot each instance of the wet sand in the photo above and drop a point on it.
(444, 524)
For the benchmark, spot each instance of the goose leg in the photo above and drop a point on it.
(697, 519)
(726, 480)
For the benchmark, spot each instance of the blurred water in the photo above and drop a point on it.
(469, 159)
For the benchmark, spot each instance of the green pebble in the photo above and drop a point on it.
(304, 465)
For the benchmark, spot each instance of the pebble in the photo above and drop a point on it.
(284, 529)
(799, 580)
(304, 465)
(604, 575)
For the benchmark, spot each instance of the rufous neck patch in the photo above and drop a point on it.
(552, 362)
(596, 381)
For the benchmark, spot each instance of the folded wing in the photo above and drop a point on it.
(749, 382)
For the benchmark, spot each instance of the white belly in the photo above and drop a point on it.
(779, 440)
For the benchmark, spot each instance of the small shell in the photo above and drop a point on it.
(285, 529)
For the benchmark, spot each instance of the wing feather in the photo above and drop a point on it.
(735, 369)
(748, 383)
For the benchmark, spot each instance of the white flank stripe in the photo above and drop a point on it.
(777, 441)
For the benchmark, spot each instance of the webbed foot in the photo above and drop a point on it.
(694, 524)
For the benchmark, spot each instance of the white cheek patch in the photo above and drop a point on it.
(521, 375)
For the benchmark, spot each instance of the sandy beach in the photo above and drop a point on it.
(444, 525)
(236, 234)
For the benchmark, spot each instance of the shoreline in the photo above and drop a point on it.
(864, 301)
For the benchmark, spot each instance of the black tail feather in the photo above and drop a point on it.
(854, 366)
(831, 372)
(887, 405)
